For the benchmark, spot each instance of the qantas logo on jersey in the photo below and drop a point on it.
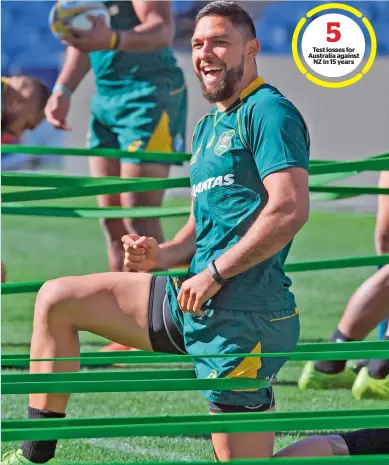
(210, 183)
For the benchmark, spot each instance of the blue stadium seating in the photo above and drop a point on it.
(26, 37)
(28, 42)
(182, 8)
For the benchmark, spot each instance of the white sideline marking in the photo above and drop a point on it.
(118, 446)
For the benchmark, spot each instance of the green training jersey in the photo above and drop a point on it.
(116, 69)
(232, 152)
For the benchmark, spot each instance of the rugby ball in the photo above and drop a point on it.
(75, 14)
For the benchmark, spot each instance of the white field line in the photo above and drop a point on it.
(116, 444)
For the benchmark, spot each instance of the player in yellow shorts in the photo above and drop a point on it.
(139, 104)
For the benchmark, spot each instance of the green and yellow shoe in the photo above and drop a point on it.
(313, 379)
(16, 458)
(366, 387)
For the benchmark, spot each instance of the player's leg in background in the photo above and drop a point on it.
(372, 381)
(144, 226)
(365, 309)
(112, 305)
(165, 133)
(114, 229)
(359, 442)
(382, 232)
(316, 446)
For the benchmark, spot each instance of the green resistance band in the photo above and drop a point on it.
(108, 187)
(301, 348)
(140, 385)
(115, 153)
(59, 180)
(14, 430)
(95, 212)
(322, 193)
(338, 460)
(377, 164)
(320, 351)
(316, 265)
(106, 153)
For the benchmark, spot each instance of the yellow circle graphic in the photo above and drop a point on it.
(331, 84)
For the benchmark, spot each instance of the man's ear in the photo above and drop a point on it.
(253, 48)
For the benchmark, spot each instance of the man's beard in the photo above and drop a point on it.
(227, 86)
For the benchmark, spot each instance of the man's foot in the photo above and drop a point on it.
(357, 365)
(367, 387)
(113, 346)
(16, 458)
(311, 378)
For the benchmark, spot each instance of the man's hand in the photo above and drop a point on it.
(141, 252)
(195, 291)
(57, 109)
(97, 38)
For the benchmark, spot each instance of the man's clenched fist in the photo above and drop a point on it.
(141, 252)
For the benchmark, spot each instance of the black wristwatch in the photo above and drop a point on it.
(215, 274)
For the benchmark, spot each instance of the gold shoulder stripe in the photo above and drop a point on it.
(258, 82)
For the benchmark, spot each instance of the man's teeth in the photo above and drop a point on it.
(211, 68)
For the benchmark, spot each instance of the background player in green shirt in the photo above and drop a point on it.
(139, 104)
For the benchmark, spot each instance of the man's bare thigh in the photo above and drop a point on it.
(112, 305)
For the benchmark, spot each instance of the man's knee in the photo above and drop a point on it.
(51, 295)
(114, 229)
(142, 199)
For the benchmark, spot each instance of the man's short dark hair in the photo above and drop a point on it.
(239, 18)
